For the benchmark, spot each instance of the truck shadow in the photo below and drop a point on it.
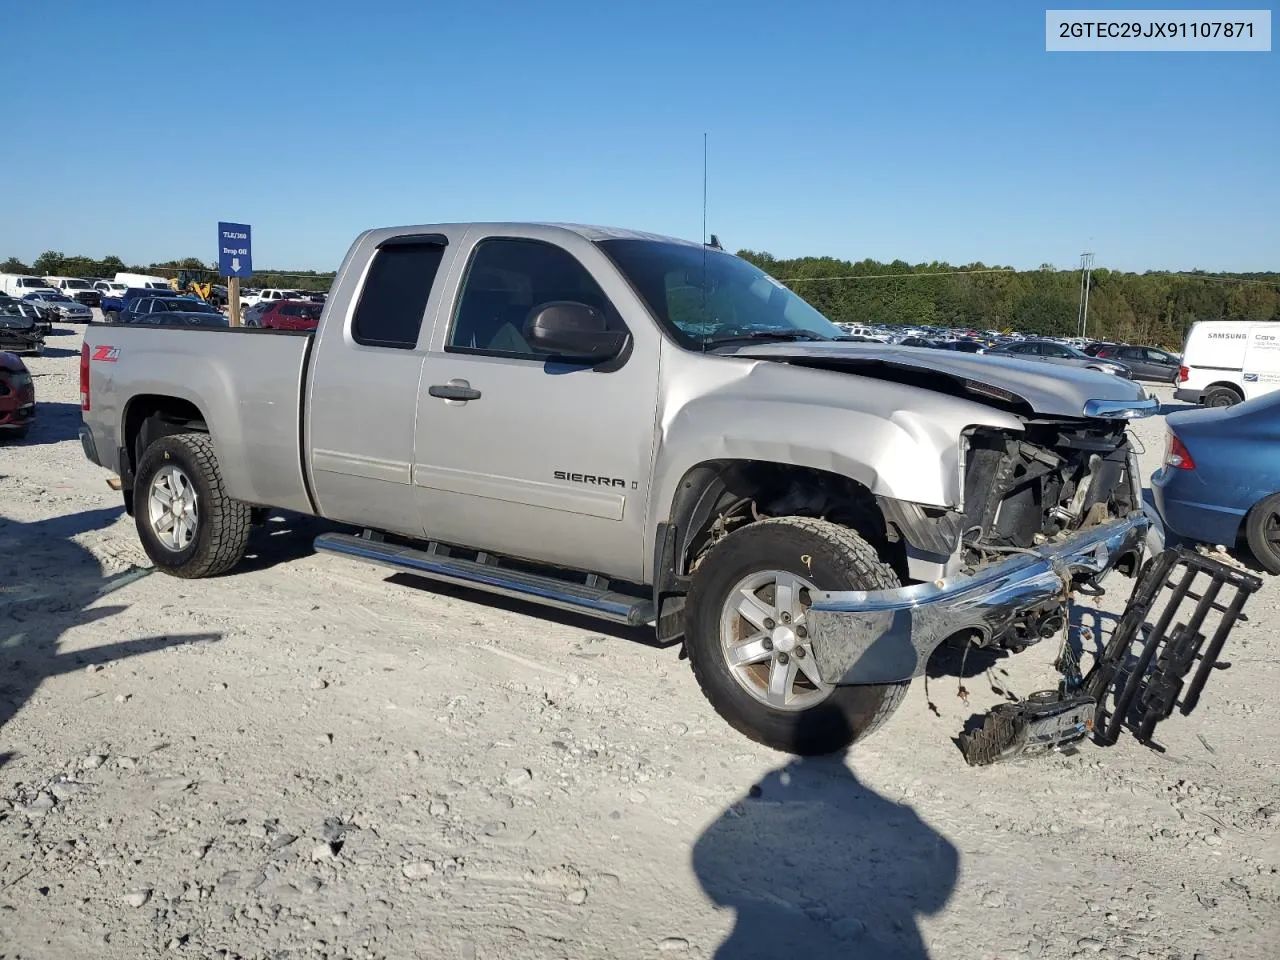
(50, 584)
(283, 538)
(815, 864)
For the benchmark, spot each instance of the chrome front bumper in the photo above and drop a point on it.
(886, 636)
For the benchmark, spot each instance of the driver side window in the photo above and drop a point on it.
(506, 280)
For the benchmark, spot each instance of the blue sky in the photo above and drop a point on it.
(913, 131)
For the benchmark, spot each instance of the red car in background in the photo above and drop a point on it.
(291, 315)
(17, 396)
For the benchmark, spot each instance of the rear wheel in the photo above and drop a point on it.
(747, 634)
(1262, 530)
(188, 525)
(1222, 397)
(111, 316)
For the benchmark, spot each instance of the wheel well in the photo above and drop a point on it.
(1224, 385)
(147, 418)
(717, 496)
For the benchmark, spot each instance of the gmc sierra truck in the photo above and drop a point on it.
(649, 431)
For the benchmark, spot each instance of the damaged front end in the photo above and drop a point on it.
(1047, 511)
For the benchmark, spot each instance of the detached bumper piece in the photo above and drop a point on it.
(1141, 677)
(1047, 720)
(1140, 693)
(887, 636)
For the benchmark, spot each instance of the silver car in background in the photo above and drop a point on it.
(60, 306)
(1051, 351)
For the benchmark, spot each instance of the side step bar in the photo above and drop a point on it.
(581, 598)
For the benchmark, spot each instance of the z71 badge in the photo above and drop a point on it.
(106, 354)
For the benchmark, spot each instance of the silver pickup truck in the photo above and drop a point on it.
(648, 431)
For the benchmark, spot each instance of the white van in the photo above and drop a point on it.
(69, 285)
(18, 285)
(142, 280)
(1226, 361)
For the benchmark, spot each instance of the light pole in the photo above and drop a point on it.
(1086, 272)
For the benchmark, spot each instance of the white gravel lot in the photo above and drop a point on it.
(311, 759)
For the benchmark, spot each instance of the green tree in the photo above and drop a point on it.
(14, 265)
(48, 263)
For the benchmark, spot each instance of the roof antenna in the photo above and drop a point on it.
(714, 242)
(703, 279)
(704, 187)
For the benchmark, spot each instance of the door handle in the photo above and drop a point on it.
(454, 390)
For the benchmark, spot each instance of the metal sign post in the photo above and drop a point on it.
(235, 260)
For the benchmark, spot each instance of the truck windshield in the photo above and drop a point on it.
(76, 285)
(707, 296)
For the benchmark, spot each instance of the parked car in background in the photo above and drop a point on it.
(144, 280)
(290, 315)
(181, 318)
(114, 307)
(109, 288)
(79, 290)
(1220, 482)
(141, 307)
(1227, 361)
(20, 329)
(1144, 363)
(19, 285)
(271, 293)
(43, 319)
(17, 397)
(963, 346)
(1051, 351)
(58, 306)
(251, 316)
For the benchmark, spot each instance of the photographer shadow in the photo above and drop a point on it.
(817, 865)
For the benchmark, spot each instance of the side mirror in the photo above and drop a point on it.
(570, 330)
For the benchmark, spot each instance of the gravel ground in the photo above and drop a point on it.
(311, 759)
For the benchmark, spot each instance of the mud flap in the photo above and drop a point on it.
(1182, 608)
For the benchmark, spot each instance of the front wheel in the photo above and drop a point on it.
(746, 634)
(188, 525)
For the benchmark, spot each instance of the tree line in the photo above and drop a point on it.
(53, 263)
(1152, 307)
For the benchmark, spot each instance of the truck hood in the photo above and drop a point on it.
(1048, 390)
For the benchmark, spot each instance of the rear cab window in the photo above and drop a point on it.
(393, 299)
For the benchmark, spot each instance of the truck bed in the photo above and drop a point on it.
(246, 384)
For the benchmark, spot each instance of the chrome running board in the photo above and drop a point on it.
(591, 596)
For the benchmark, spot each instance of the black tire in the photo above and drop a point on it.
(16, 433)
(111, 316)
(1221, 397)
(1261, 529)
(838, 559)
(222, 524)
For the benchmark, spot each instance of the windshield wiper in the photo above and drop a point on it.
(780, 335)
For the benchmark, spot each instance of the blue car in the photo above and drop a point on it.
(1220, 482)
